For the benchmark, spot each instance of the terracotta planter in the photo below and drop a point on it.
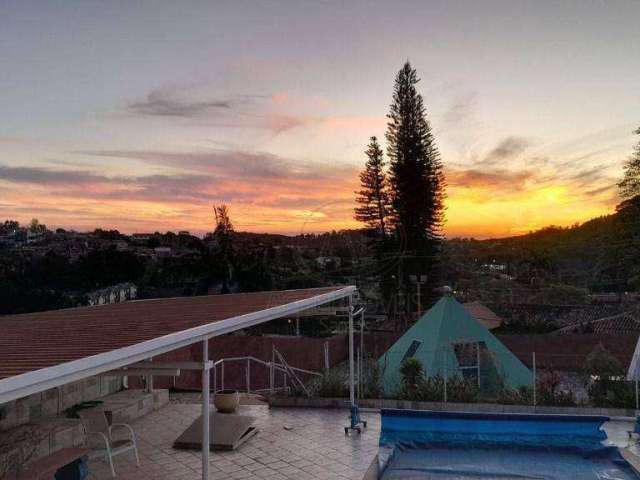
(226, 401)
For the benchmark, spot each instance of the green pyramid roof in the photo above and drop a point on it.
(436, 333)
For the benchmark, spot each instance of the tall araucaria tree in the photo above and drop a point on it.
(373, 196)
(417, 182)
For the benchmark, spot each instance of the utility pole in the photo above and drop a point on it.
(419, 280)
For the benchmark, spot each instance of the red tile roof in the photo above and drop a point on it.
(483, 314)
(623, 323)
(34, 341)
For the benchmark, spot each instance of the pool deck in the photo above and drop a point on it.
(293, 443)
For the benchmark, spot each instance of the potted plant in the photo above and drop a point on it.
(226, 401)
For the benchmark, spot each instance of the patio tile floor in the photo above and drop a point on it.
(313, 446)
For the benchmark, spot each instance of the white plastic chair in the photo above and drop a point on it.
(95, 424)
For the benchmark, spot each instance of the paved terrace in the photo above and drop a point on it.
(312, 446)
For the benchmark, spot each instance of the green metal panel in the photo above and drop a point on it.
(448, 323)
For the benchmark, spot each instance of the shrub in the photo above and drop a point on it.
(461, 390)
(371, 379)
(548, 393)
(520, 396)
(605, 380)
(430, 389)
(333, 383)
(412, 372)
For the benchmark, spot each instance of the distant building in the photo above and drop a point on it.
(141, 237)
(162, 251)
(115, 294)
(328, 262)
(35, 236)
(495, 267)
(483, 314)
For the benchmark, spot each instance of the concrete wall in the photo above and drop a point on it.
(53, 402)
(300, 352)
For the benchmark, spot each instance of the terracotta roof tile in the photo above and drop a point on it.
(37, 340)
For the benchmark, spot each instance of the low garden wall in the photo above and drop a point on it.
(377, 403)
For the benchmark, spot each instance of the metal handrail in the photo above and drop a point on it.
(273, 366)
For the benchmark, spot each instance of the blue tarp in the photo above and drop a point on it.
(445, 445)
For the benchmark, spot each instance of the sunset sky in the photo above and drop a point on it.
(141, 115)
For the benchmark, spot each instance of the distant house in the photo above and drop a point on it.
(483, 314)
(35, 236)
(121, 245)
(114, 294)
(494, 267)
(328, 262)
(141, 237)
(621, 324)
(162, 251)
(450, 342)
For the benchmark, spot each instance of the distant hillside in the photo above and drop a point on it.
(596, 255)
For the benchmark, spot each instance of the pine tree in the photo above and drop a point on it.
(630, 184)
(373, 197)
(223, 234)
(416, 181)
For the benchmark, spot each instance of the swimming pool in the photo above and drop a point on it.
(473, 446)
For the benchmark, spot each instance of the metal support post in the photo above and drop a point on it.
(248, 374)
(446, 379)
(205, 409)
(355, 413)
(535, 381)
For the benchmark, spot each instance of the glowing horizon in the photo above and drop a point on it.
(141, 117)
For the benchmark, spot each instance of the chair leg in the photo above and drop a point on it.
(135, 450)
(113, 471)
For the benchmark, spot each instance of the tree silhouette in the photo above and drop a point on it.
(416, 180)
(373, 196)
(630, 184)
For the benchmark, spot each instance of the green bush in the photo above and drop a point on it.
(371, 379)
(332, 384)
(461, 390)
(412, 372)
(431, 389)
(510, 396)
(547, 392)
(605, 380)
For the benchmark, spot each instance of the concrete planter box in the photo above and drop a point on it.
(376, 403)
